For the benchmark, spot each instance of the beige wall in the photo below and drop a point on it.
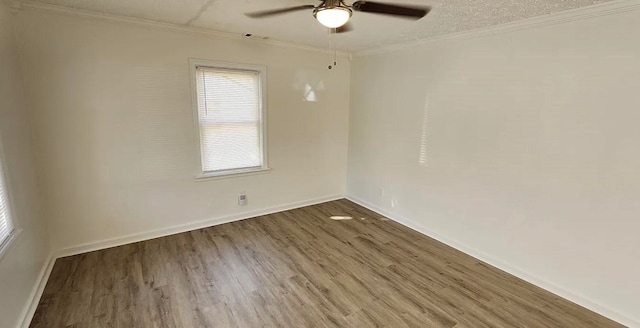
(114, 129)
(521, 148)
(21, 265)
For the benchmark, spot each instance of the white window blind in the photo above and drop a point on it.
(230, 119)
(5, 219)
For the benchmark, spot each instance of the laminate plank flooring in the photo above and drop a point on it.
(297, 268)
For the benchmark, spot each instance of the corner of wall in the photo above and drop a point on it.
(549, 286)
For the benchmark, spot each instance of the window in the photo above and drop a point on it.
(6, 228)
(230, 113)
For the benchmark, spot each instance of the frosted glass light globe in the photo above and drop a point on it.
(333, 17)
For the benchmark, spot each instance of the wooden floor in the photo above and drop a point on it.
(297, 268)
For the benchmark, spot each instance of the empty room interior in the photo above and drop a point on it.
(304, 163)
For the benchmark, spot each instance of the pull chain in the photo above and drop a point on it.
(333, 45)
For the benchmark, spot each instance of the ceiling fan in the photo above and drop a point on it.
(335, 14)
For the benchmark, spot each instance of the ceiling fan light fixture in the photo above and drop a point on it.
(332, 17)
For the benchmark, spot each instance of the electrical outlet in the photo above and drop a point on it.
(242, 199)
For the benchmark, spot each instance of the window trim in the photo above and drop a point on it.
(6, 244)
(262, 73)
(4, 249)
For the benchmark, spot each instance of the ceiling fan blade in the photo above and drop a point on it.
(389, 9)
(344, 28)
(266, 13)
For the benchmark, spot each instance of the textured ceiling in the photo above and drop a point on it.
(371, 31)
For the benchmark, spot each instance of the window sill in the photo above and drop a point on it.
(231, 174)
(7, 245)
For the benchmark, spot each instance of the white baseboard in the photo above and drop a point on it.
(132, 238)
(38, 289)
(36, 292)
(107, 243)
(582, 301)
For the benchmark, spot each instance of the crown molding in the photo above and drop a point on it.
(583, 13)
(25, 5)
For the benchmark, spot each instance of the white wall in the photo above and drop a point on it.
(522, 148)
(23, 262)
(115, 136)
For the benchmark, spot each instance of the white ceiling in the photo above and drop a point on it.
(371, 31)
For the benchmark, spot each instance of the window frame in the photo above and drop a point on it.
(5, 245)
(262, 78)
